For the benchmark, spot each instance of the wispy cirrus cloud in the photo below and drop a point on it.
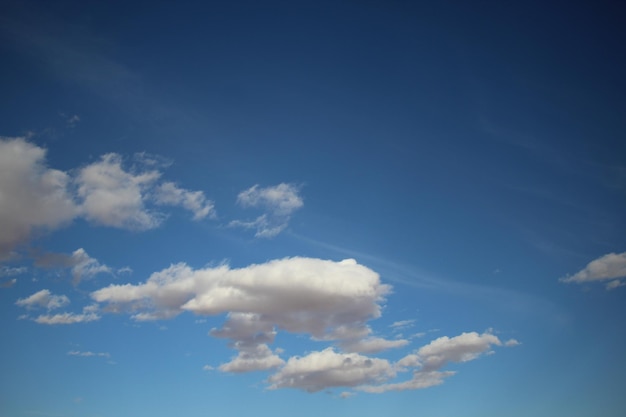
(87, 354)
(278, 202)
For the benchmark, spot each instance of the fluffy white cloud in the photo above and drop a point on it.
(112, 196)
(299, 295)
(256, 357)
(462, 348)
(36, 198)
(84, 266)
(608, 267)
(170, 194)
(43, 299)
(32, 196)
(279, 202)
(327, 369)
(329, 301)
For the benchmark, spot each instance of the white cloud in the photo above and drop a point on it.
(462, 348)
(614, 284)
(111, 196)
(420, 380)
(429, 359)
(170, 194)
(299, 295)
(6, 271)
(257, 357)
(331, 302)
(84, 266)
(327, 369)
(88, 354)
(43, 299)
(512, 342)
(611, 266)
(402, 324)
(372, 345)
(67, 318)
(34, 197)
(9, 283)
(279, 202)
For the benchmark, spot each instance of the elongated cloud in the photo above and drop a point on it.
(428, 361)
(66, 318)
(610, 267)
(88, 354)
(43, 299)
(35, 198)
(300, 295)
(328, 369)
(278, 202)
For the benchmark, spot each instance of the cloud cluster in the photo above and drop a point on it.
(44, 299)
(328, 301)
(278, 203)
(610, 267)
(38, 198)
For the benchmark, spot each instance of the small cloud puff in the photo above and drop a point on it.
(278, 202)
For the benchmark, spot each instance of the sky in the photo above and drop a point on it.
(346, 208)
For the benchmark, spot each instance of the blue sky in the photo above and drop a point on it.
(312, 208)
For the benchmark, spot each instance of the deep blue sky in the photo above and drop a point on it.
(180, 184)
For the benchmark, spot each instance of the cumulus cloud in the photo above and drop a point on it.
(80, 263)
(112, 196)
(329, 301)
(327, 369)
(36, 198)
(610, 267)
(299, 295)
(462, 348)
(33, 196)
(43, 299)
(256, 357)
(84, 266)
(279, 202)
(427, 361)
